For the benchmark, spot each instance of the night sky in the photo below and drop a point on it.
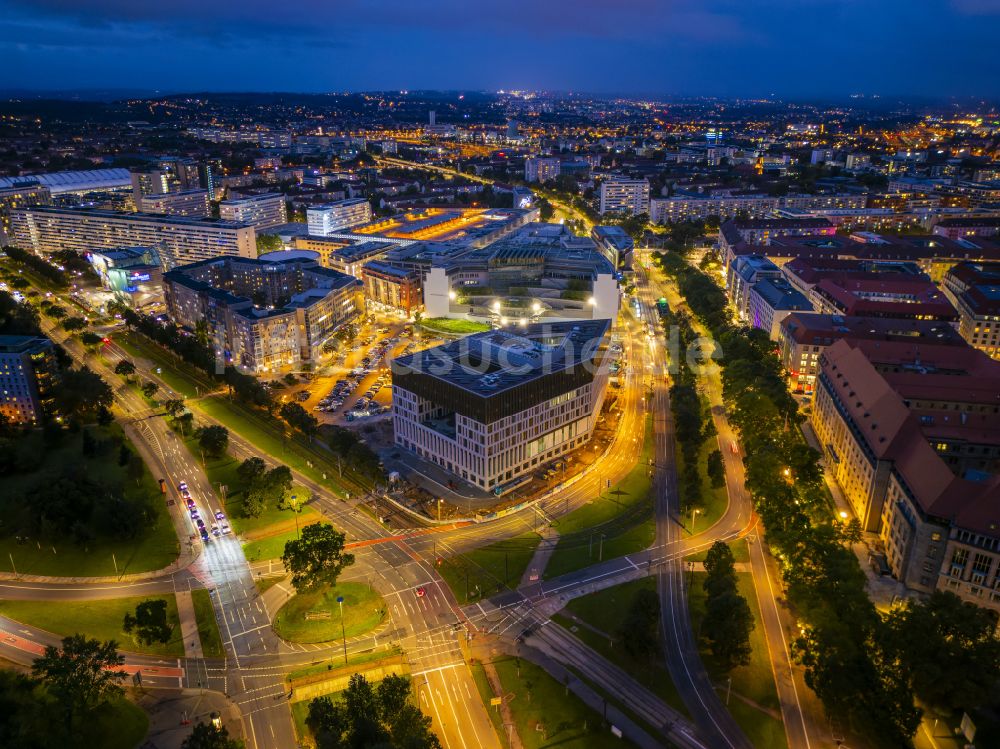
(789, 48)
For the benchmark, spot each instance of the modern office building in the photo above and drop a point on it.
(133, 274)
(974, 289)
(396, 288)
(28, 369)
(333, 217)
(192, 203)
(541, 271)
(541, 169)
(615, 244)
(624, 195)
(264, 314)
(493, 407)
(260, 211)
(178, 240)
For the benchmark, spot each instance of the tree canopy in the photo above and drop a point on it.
(371, 717)
(317, 558)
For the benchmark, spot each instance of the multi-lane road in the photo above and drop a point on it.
(428, 627)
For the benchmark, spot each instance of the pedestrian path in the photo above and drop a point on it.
(543, 553)
(189, 624)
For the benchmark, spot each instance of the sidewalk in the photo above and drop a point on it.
(173, 714)
(189, 624)
(543, 553)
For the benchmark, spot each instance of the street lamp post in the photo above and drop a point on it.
(343, 631)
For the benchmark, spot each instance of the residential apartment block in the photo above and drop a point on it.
(260, 211)
(624, 195)
(177, 239)
(264, 314)
(974, 289)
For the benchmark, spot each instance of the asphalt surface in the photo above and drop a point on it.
(430, 627)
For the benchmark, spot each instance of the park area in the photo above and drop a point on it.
(115, 517)
(100, 619)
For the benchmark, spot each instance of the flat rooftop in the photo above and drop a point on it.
(490, 363)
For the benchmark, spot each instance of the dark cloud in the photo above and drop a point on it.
(730, 47)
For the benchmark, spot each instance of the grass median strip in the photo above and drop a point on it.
(545, 712)
(489, 569)
(208, 626)
(99, 618)
(754, 700)
(603, 611)
(623, 515)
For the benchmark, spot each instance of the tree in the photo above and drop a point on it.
(250, 470)
(82, 674)
(149, 389)
(173, 406)
(948, 648)
(149, 622)
(185, 422)
(213, 440)
(300, 419)
(90, 339)
(125, 368)
(207, 736)
(268, 243)
(25, 712)
(81, 392)
(253, 503)
(317, 558)
(54, 311)
(71, 324)
(727, 626)
(720, 569)
(853, 531)
(367, 717)
(640, 628)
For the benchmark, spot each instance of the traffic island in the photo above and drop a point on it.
(321, 617)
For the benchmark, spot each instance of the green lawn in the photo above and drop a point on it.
(100, 619)
(271, 547)
(266, 436)
(741, 552)
(222, 472)
(364, 610)
(369, 660)
(154, 549)
(118, 724)
(712, 502)
(171, 371)
(625, 533)
(208, 626)
(489, 568)
(536, 698)
(605, 610)
(754, 681)
(265, 583)
(453, 326)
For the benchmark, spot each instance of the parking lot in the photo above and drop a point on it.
(357, 386)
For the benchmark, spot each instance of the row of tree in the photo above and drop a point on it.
(865, 676)
(39, 266)
(728, 619)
